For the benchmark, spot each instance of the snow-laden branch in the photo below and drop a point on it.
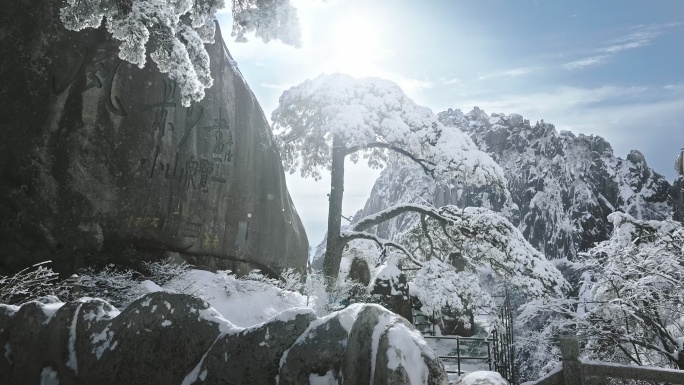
(426, 165)
(473, 238)
(348, 236)
(480, 237)
(178, 30)
(373, 118)
(391, 212)
(634, 284)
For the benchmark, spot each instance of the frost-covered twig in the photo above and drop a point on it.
(31, 283)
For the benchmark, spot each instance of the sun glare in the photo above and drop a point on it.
(356, 45)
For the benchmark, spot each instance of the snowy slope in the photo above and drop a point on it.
(242, 302)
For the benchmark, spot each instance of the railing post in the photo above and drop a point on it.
(572, 369)
(489, 354)
(458, 355)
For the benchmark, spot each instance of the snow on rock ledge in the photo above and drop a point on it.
(482, 378)
(166, 338)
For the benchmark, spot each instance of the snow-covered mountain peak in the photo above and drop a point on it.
(564, 184)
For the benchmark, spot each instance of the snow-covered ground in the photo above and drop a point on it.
(242, 302)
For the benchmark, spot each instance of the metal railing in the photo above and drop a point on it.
(575, 371)
(458, 357)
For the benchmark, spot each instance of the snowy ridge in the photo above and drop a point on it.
(562, 186)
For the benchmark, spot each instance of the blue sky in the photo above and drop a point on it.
(613, 68)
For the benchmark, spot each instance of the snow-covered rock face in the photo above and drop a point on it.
(391, 289)
(97, 155)
(677, 199)
(563, 184)
(165, 338)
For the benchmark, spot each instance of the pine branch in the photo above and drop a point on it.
(348, 236)
(426, 165)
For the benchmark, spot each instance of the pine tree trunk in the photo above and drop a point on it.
(333, 250)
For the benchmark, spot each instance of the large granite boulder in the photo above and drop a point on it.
(391, 289)
(354, 346)
(404, 358)
(158, 339)
(100, 161)
(165, 338)
(6, 315)
(227, 360)
(316, 352)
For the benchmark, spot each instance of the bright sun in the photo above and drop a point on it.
(356, 46)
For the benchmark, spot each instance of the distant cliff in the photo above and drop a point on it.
(562, 186)
(99, 161)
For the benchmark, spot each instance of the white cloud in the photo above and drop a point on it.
(640, 36)
(619, 114)
(586, 62)
(509, 73)
(450, 82)
(677, 87)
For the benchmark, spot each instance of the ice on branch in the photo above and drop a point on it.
(267, 19)
(178, 30)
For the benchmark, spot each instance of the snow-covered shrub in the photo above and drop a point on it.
(164, 271)
(325, 300)
(112, 284)
(632, 308)
(537, 350)
(439, 287)
(32, 283)
(291, 280)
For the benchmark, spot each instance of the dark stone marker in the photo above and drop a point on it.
(98, 156)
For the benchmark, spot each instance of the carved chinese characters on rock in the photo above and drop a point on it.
(185, 154)
(99, 64)
(195, 173)
(161, 109)
(198, 174)
(223, 139)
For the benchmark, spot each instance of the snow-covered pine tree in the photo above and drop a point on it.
(453, 245)
(630, 302)
(178, 30)
(634, 298)
(322, 121)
